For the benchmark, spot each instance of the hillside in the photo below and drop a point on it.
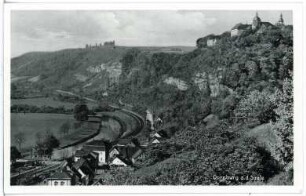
(220, 97)
(91, 69)
(242, 83)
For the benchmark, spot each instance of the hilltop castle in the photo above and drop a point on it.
(105, 44)
(257, 26)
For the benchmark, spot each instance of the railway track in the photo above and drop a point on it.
(36, 172)
(139, 120)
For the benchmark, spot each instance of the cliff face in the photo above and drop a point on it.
(234, 65)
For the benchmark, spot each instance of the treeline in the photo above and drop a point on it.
(24, 108)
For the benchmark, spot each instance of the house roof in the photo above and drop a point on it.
(163, 133)
(267, 24)
(124, 160)
(94, 155)
(137, 153)
(123, 142)
(79, 163)
(93, 148)
(80, 153)
(128, 152)
(241, 26)
(60, 175)
(95, 145)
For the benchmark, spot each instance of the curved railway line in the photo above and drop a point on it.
(125, 133)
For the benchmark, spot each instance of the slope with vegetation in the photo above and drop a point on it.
(231, 105)
(245, 82)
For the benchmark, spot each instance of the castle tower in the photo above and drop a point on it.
(256, 22)
(280, 21)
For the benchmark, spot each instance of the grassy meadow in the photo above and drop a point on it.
(33, 123)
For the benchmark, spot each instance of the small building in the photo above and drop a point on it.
(157, 140)
(59, 179)
(126, 154)
(119, 161)
(137, 155)
(79, 154)
(239, 28)
(114, 152)
(212, 40)
(84, 171)
(161, 134)
(100, 147)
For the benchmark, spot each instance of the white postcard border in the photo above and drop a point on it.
(299, 107)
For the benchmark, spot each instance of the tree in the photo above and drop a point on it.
(46, 146)
(257, 105)
(81, 112)
(65, 127)
(19, 139)
(15, 154)
(284, 122)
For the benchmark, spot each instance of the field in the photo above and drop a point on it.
(32, 123)
(85, 131)
(46, 101)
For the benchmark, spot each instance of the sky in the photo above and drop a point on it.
(56, 30)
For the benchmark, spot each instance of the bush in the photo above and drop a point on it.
(256, 105)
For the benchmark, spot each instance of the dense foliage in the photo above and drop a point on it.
(244, 81)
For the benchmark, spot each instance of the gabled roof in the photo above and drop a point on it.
(60, 175)
(80, 153)
(163, 133)
(267, 24)
(79, 163)
(124, 160)
(137, 153)
(158, 140)
(123, 142)
(93, 148)
(128, 152)
(241, 26)
(95, 145)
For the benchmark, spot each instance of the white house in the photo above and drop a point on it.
(118, 161)
(113, 152)
(239, 28)
(59, 179)
(99, 147)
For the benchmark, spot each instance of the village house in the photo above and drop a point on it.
(120, 161)
(100, 147)
(161, 134)
(257, 25)
(84, 171)
(40, 153)
(59, 179)
(212, 40)
(126, 157)
(239, 28)
(79, 154)
(125, 152)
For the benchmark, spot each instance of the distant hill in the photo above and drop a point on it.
(72, 69)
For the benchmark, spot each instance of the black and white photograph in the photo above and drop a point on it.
(151, 97)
